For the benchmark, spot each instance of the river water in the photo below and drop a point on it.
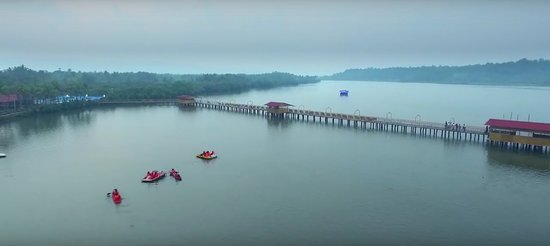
(277, 182)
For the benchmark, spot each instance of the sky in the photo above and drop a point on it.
(301, 36)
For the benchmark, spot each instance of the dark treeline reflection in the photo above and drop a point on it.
(187, 109)
(48, 122)
(278, 123)
(7, 134)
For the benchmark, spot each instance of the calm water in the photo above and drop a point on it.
(276, 183)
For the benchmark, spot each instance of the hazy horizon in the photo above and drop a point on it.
(300, 37)
(115, 71)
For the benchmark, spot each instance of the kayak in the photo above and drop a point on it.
(117, 199)
(2, 155)
(209, 157)
(176, 175)
(149, 179)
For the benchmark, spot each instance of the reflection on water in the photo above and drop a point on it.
(187, 109)
(78, 119)
(7, 135)
(43, 123)
(519, 159)
(37, 124)
(278, 123)
(274, 178)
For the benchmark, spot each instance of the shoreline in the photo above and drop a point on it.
(17, 114)
(41, 109)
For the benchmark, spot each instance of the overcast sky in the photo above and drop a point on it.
(303, 37)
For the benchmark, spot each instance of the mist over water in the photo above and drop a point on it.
(275, 182)
(464, 104)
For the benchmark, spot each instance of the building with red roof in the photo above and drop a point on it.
(186, 100)
(519, 133)
(277, 109)
(277, 104)
(8, 101)
(8, 98)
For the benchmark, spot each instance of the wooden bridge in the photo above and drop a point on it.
(138, 101)
(417, 127)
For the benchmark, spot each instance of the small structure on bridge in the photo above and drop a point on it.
(277, 109)
(186, 100)
(519, 134)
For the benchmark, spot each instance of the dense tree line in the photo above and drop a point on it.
(139, 85)
(522, 72)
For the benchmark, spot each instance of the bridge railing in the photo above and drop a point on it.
(433, 125)
(364, 118)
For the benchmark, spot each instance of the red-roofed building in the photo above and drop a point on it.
(277, 109)
(277, 104)
(519, 125)
(186, 100)
(8, 98)
(519, 133)
(8, 101)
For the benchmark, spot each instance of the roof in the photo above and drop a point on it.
(277, 104)
(186, 97)
(8, 98)
(519, 125)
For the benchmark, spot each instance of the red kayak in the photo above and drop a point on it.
(117, 199)
(153, 176)
(175, 174)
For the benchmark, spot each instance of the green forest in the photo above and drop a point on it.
(521, 72)
(31, 84)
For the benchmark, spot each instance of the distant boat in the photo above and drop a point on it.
(2, 155)
(344, 92)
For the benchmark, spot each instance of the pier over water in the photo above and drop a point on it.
(539, 142)
(523, 139)
(417, 127)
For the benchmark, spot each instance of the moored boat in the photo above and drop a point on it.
(153, 176)
(2, 155)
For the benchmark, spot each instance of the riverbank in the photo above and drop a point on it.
(51, 108)
(14, 114)
(47, 108)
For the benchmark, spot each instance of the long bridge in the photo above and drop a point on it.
(499, 135)
(417, 127)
